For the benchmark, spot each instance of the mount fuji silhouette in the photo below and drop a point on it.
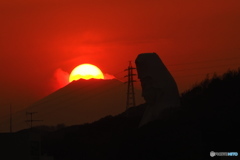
(79, 102)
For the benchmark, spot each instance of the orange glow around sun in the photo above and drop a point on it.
(86, 71)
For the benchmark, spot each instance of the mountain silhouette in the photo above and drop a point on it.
(79, 102)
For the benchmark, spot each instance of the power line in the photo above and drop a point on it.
(170, 65)
(123, 71)
(224, 65)
(113, 75)
(215, 60)
(95, 89)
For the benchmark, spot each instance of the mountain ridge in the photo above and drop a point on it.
(79, 102)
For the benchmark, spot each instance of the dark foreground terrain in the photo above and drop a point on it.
(208, 120)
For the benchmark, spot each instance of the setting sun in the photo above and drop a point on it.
(86, 71)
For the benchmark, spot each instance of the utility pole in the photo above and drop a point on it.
(31, 118)
(130, 89)
(10, 111)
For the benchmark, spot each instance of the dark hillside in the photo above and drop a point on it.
(208, 120)
(215, 103)
(218, 91)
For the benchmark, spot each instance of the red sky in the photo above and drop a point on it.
(43, 38)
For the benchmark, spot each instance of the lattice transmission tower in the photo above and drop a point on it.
(31, 120)
(130, 87)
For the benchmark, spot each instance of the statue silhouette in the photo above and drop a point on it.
(159, 88)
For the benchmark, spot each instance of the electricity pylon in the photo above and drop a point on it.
(31, 118)
(130, 89)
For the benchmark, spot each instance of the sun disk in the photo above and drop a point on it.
(86, 71)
